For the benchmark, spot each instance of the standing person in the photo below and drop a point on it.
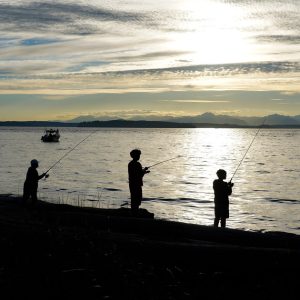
(31, 183)
(136, 173)
(222, 190)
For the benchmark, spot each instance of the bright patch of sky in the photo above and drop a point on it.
(57, 50)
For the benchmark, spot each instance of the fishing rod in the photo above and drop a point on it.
(69, 151)
(260, 127)
(164, 161)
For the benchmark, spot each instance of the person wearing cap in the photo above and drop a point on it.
(135, 175)
(31, 183)
(222, 190)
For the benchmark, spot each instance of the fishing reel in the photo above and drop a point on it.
(45, 176)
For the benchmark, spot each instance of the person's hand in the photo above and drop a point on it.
(231, 184)
(47, 175)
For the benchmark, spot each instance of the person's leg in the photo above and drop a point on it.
(26, 194)
(34, 198)
(136, 195)
(139, 196)
(223, 222)
(25, 198)
(135, 205)
(216, 222)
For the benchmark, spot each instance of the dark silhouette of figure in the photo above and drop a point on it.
(222, 190)
(136, 173)
(31, 183)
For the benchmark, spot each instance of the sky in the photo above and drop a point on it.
(147, 59)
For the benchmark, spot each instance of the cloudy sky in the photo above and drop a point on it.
(60, 59)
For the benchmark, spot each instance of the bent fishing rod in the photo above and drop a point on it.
(260, 127)
(69, 151)
(164, 161)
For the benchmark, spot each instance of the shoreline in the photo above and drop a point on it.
(141, 125)
(58, 250)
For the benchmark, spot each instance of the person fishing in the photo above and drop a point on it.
(135, 175)
(222, 190)
(31, 183)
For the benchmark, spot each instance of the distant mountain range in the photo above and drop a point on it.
(210, 118)
(204, 120)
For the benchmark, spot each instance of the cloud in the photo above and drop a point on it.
(225, 69)
(289, 39)
(56, 97)
(152, 55)
(69, 18)
(290, 93)
(280, 76)
(89, 47)
(198, 101)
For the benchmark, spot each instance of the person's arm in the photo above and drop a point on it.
(229, 188)
(142, 171)
(43, 175)
(214, 185)
(145, 171)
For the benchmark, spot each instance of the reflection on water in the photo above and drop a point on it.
(265, 195)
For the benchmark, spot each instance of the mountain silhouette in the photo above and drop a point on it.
(208, 118)
(205, 120)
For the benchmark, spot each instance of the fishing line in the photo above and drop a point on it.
(260, 127)
(164, 161)
(69, 151)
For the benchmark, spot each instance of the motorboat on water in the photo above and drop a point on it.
(51, 135)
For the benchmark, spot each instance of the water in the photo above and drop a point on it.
(265, 195)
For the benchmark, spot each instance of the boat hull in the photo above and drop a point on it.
(47, 139)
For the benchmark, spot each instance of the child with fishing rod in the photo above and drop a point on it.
(135, 175)
(32, 177)
(222, 190)
(31, 183)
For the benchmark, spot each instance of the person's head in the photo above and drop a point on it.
(34, 163)
(135, 154)
(221, 174)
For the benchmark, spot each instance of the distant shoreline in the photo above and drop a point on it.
(135, 124)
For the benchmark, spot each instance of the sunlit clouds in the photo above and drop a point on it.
(58, 50)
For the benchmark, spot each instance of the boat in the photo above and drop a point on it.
(51, 135)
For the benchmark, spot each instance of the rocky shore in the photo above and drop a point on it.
(59, 251)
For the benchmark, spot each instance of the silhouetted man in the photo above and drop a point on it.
(31, 183)
(222, 190)
(136, 173)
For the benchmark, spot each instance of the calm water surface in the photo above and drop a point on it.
(265, 195)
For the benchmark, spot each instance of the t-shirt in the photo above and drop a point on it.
(222, 191)
(32, 178)
(135, 173)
